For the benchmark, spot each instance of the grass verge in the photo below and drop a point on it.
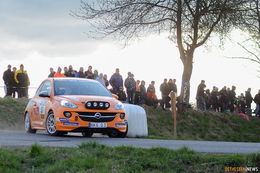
(11, 111)
(197, 125)
(93, 157)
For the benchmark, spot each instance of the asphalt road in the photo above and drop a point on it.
(23, 139)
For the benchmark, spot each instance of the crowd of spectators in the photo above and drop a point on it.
(16, 81)
(136, 92)
(226, 100)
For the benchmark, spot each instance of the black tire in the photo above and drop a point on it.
(87, 134)
(62, 133)
(27, 124)
(51, 126)
(118, 134)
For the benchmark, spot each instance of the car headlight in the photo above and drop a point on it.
(119, 106)
(67, 104)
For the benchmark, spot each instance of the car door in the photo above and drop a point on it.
(41, 101)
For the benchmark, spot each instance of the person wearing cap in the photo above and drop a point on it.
(22, 80)
(7, 77)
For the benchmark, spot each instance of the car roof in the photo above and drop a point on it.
(70, 78)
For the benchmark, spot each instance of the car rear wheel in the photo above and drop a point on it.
(27, 124)
(51, 126)
(87, 134)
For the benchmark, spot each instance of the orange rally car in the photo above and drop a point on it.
(63, 105)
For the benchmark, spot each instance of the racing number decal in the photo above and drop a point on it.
(42, 109)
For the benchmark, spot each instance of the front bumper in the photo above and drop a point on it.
(77, 124)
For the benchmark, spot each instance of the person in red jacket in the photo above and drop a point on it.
(151, 96)
(58, 73)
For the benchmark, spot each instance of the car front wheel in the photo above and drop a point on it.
(117, 134)
(50, 125)
(27, 124)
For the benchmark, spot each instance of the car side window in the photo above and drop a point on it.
(46, 86)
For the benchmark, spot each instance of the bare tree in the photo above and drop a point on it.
(250, 22)
(190, 23)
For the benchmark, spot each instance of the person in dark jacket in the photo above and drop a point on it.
(106, 80)
(249, 98)
(52, 72)
(121, 94)
(81, 73)
(116, 81)
(89, 74)
(242, 103)
(257, 102)
(172, 85)
(232, 98)
(7, 77)
(142, 93)
(66, 71)
(14, 84)
(137, 92)
(71, 72)
(200, 97)
(207, 99)
(130, 86)
(165, 91)
(22, 80)
(224, 99)
(214, 99)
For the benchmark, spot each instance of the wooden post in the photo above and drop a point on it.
(174, 116)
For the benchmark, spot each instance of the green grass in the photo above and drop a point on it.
(11, 111)
(93, 157)
(192, 125)
(196, 125)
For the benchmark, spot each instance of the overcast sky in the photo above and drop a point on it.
(41, 34)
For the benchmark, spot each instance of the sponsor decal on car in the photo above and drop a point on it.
(120, 124)
(70, 124)
(63, 119)
(42, 108)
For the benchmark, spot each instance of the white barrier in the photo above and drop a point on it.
(137, 121)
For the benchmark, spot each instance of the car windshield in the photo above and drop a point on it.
(79, 87)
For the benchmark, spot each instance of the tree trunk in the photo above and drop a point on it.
(186, 75)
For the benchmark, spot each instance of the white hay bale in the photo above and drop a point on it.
(137, 121)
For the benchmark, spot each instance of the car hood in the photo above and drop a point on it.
(82, 99)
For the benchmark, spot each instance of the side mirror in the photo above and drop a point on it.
(44, 94)
(115, 96)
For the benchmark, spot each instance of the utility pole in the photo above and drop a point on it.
(174, 115)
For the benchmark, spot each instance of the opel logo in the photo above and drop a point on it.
(97, 115)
